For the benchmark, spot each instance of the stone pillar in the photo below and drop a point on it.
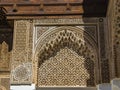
(115, 84)
(104, 86)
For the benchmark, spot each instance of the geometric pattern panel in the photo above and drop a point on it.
(22, 52)
(66, 68)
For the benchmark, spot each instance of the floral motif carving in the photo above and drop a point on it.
(22, 72)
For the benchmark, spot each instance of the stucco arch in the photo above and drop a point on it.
(45, 38)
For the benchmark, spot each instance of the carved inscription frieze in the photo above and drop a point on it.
(58, 21)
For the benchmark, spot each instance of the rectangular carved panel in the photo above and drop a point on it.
(22, 53)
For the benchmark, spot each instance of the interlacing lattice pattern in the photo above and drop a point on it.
(66, 61)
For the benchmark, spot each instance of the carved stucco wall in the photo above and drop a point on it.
(45, 34)
(116, 26)
(65, 49)
(114, 36)
(31, 38)
(21, 66)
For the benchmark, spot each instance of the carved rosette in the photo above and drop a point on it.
(22, 73)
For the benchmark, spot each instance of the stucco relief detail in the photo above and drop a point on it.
(30, 39)
(67, 68)
(58, 21)
(22, 51)
(63, 34)
(5, 57)
(23, 72)
(116, 36)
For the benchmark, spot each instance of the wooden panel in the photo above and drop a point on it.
(86, 8)
(38, 1)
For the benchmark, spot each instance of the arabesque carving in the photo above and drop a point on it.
(23, 72)
(58, 58)
(66, 68)
(64, 39)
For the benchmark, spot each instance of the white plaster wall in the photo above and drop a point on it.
(22, 87)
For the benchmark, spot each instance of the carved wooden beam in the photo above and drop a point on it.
(40, 8)
(41, 1)
(34, 8)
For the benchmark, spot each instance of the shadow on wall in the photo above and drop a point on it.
(6, 29)
(95, 8)
(96, 11)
